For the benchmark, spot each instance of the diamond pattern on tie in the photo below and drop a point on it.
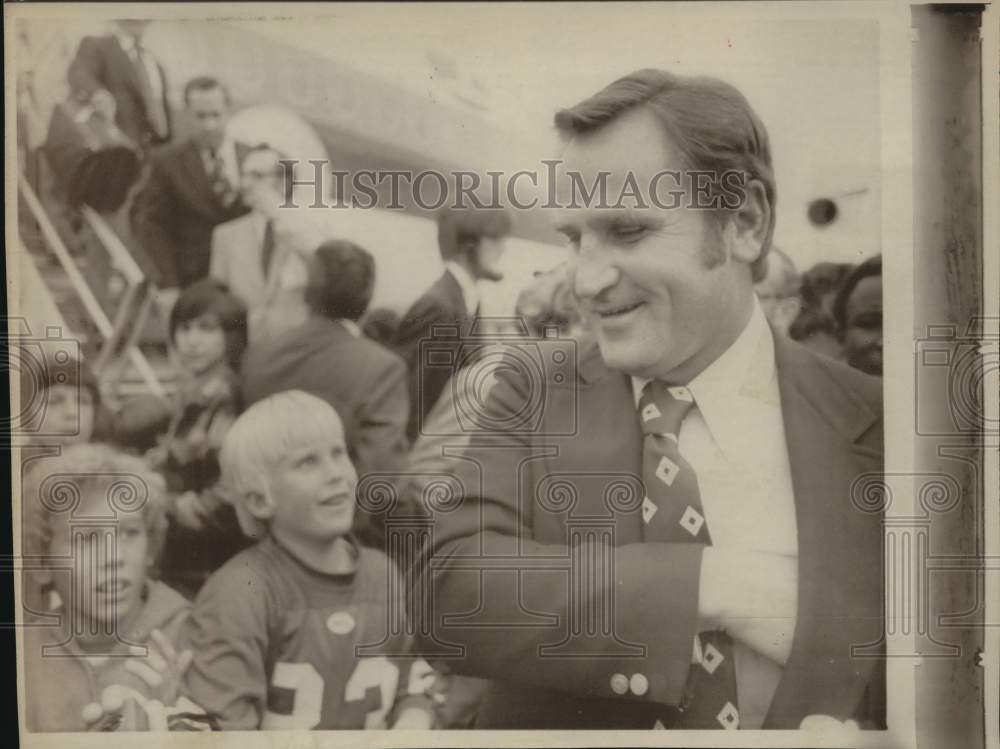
(667, 470)
(648, 509)
(692, 521)
(681, 394)
(711, 658)
(729, 717)
(673, 512)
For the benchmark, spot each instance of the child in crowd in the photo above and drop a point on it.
(279, 634)
(60, 405)
(102, 656)
(60, 401)
(208, 333)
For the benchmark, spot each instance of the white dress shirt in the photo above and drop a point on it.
(470, 292)
(734, 440)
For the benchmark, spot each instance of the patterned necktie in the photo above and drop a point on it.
(221, 185)
(672, 512)
(155, 112)
(267, 249)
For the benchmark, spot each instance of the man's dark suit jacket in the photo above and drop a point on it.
(524, 491)
(174, 215)
(101, 62)
(442, 304)
(361, 379)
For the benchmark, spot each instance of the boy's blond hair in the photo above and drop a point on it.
(262, 437)
(54, 485)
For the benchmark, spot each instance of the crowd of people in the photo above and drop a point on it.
(253, 582)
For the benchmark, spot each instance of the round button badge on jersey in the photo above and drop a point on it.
(340, 623)
(619, 684)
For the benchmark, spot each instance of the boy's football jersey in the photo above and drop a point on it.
(279, 646)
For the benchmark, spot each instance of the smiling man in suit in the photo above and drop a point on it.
(702, 466)
(117, 73)
(193, 187)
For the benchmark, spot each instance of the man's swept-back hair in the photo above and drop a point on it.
(205, 83)
(459, 226)
(708, 121)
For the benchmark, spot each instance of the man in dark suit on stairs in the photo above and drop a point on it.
(193, 187)
(117, 73)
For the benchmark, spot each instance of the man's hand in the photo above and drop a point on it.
(752, 596)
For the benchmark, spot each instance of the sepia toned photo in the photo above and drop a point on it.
(504, 374)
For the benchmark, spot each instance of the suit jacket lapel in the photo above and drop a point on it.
(840, 581)
(454, 297)
(603, 456)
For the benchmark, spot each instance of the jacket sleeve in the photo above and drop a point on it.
(153, 222)
(86, 71)
(503, 604)
(382, 442)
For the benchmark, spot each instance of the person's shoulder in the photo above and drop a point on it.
(374, 567)
(164, 607)
(255, 571)
(862, 385)
(379, 357)
(232, 229)
(165, 157)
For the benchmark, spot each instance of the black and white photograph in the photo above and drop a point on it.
(492, 374)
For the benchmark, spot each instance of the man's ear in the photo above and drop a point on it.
(749, 224)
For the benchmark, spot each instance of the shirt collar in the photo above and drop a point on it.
(470, 292)
(225, 149)
(351, 326)
(745, 370)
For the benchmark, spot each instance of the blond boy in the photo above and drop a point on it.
(287, 634)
